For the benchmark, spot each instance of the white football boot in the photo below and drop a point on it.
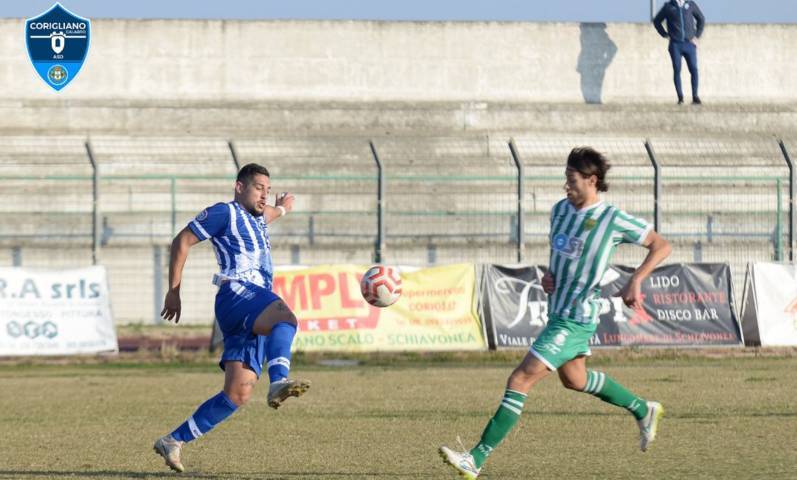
(462, 462)
(649, 425)
(283, 389)
(169, 448)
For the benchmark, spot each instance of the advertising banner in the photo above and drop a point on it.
(769, 313)
(513, 305)
(436, 311)
(682, 305)
(55, 312)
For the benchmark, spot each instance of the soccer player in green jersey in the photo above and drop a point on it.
(585, 231)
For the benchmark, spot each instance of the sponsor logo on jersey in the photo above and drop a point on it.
(568, 246)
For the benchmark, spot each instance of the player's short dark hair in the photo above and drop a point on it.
(587, 161)
(250, 170)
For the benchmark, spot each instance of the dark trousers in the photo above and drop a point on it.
(688, 50)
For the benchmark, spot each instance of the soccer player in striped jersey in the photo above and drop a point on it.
(585, 231)
(256, 324)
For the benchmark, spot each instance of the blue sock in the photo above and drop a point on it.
(278, 350)
(214, 411)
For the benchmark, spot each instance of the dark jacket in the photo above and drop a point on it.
(682, 23)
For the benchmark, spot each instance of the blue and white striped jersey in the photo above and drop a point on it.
(240, 240)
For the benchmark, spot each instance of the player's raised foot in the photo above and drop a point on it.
(649, 425)
(280, 390)
(462, 462)
(169, 448)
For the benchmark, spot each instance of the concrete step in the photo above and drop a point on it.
(405, 155)
(39, 156)
(238, 118)
(159, 155)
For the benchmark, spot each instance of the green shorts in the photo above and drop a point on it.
(561, 341)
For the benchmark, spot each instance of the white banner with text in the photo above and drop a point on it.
(55, 312)
(769, 311)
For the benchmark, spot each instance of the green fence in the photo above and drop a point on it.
(119, 202)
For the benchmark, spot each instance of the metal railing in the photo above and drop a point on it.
(419, 200)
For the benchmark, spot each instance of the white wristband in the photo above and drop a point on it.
(282, 210)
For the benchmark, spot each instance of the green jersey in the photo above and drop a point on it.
(582, 244)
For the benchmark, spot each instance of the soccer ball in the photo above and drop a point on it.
(381, 285)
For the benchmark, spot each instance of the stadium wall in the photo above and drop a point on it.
(399, 61)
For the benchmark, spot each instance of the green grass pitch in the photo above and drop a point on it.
(726, 418)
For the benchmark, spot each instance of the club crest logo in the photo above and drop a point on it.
(57, 42)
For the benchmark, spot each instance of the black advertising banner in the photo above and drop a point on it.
(684, 305)
(514, 307)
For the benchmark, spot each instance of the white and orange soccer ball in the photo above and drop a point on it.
(381, 285)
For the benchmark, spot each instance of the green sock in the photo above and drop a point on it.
(603, 387)
(499, 426)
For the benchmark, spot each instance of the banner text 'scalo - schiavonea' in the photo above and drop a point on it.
(436, 311)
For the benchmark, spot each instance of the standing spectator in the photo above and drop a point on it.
(685, 24)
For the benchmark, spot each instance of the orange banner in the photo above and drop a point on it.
(436, 312)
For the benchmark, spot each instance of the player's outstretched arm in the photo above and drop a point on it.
(177, 257)
(658, 249)
(282, 205)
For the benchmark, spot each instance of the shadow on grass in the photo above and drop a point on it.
(456, 415)
(709, 416)
(36, 474)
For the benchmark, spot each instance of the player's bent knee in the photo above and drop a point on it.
(572, 385)
(522, 380)
(239, 393)
(239, 397)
